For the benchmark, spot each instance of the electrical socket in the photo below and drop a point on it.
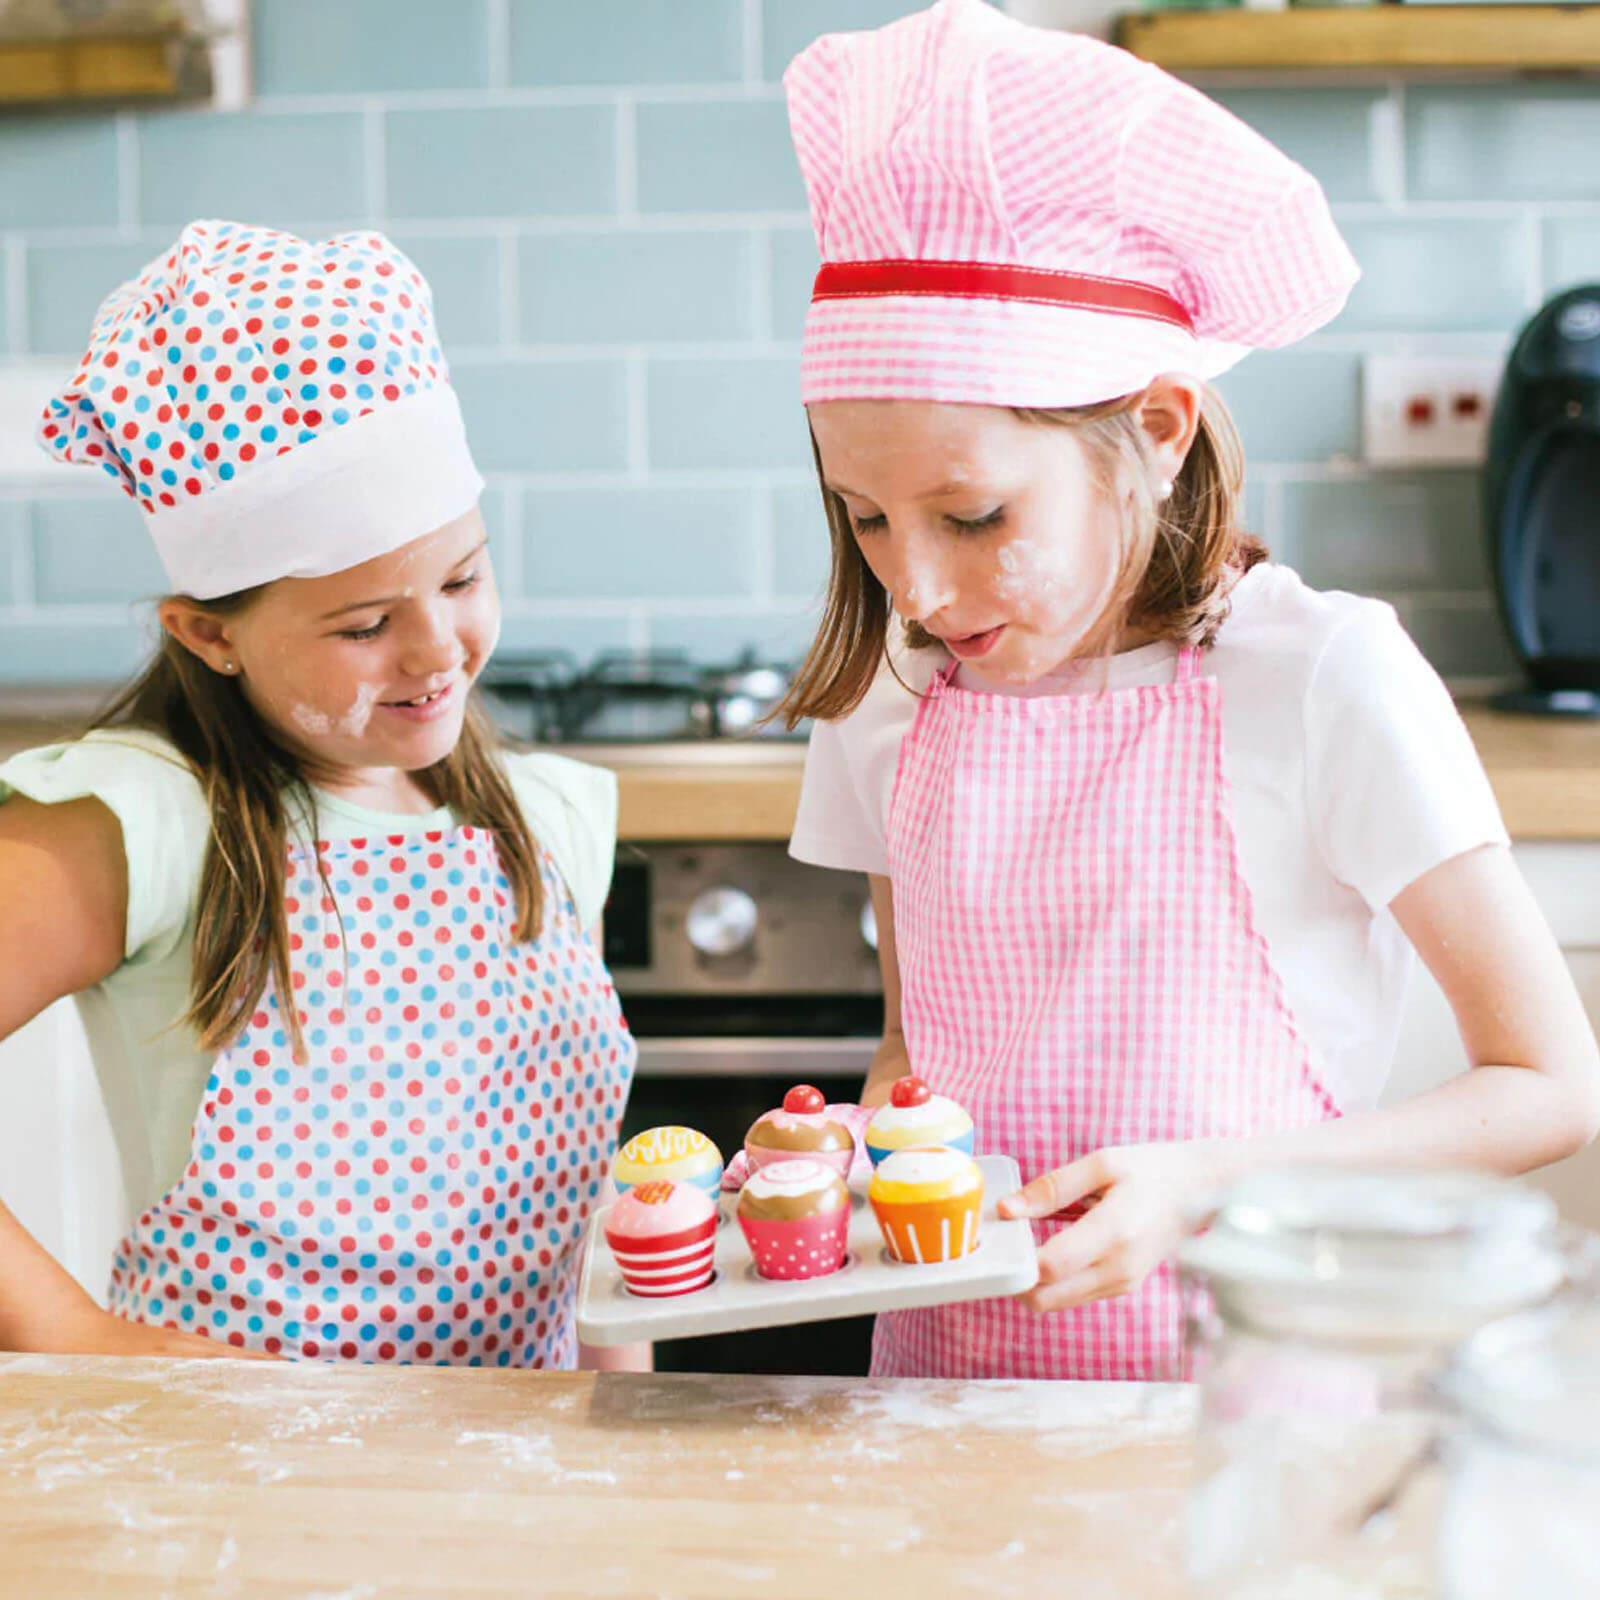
(1427, 410)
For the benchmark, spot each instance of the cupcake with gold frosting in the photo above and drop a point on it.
(916, 1118)
(671, 1154)
(927, 1203)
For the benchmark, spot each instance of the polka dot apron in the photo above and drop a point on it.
(417, 1190)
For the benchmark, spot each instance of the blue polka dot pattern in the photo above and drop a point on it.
(416, 1190)
(237, 345)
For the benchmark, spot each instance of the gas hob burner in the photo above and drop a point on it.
(624, 698)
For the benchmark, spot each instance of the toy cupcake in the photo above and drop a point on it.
(927, 1203)
(801, 1127)
(663, 1236)
(796, 1216)
(672, 1154)
(916, 1117)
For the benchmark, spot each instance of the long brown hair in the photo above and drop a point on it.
(1174, 567)
(241, 937)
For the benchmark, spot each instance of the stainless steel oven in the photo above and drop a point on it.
(743, 972)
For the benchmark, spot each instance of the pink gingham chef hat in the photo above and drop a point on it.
(1014, 216)
(279, 408)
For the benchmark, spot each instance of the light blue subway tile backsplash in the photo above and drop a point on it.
(1445, 274)
(1394, 531)
(1523, 142)
(1295, 405)
(14, 529)
(1328, 131)
(732, 155)
(625, 41)
(93, 550)
(268, 167)
(526, 631)
(787, 27)
(1462, 640)
(635, 544)
(779, 633)
(727, 414)
(465, 276)
(369, 46)
(46, 647)
(1571, 252)
(65, 284)
(57, 172)
(635, 287)
(604, 198)
(802, 551)
(500, 161)
(544, 416)
(794, 267)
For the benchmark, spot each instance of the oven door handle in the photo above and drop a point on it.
(746, 1057)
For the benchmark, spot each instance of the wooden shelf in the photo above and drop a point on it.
(1514, 38)
(143, 67)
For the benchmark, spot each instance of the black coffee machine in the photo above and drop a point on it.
(1542, 503)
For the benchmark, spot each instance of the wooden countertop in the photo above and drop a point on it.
(1545, 772)
(214, 1478)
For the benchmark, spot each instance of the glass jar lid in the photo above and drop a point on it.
(1534, 1379)
(1332, 1253)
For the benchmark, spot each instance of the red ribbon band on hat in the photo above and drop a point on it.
(985, 280)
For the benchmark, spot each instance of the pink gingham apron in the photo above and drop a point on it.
(416, 1190)
(1080, 968)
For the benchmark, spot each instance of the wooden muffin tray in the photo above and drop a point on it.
(1005, 1262)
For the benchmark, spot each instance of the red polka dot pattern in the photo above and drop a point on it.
(417, 1190)
(236, 346)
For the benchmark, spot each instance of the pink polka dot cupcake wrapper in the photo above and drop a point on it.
(797, 1247)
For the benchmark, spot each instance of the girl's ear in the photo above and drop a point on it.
(202, 633)
(1169, 413)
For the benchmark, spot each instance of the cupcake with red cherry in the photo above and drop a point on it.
(800, 1128)
(916, 1118)
(795, 1216)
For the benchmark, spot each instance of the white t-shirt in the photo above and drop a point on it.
(149, 1064)
(1349, 769)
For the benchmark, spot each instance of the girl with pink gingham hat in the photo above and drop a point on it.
(1153, 828)
(335, 948)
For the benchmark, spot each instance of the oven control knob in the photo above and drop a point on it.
(869, 925)
(721, 922)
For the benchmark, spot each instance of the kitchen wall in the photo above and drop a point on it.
(603, 195)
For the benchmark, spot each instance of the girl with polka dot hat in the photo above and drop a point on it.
(334, 949)
(1153, 828)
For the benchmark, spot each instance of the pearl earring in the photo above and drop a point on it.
(1164, 489)
(228, 666)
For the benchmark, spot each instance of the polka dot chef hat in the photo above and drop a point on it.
(1010, 215)
(279, 408)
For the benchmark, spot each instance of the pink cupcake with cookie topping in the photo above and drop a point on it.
(663, 1236)
(800, 1129)
(796, 1217)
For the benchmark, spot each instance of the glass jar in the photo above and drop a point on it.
(1321, 1306)
(1522, 1493)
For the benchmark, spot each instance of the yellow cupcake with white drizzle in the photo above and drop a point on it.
(927, 1202)
(674, 1154)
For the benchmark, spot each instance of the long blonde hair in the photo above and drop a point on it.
(1173, 572)
(241, 938)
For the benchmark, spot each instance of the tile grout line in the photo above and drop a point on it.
(497, 42)
(764, 551)
(627, 172)
(509, 261)
(760, 257)
(752, 41)
(127, 173)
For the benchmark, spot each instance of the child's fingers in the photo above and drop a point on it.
(1099, 1282)
(1053, 1192)
(1086, 1243)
